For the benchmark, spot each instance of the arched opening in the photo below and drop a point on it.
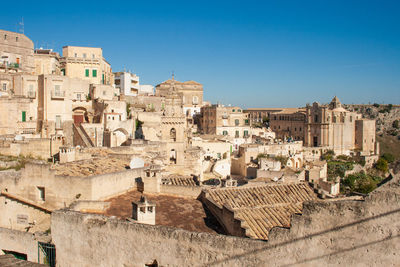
(172, 134)
(79, 115)
(172, 156)
(120, 136)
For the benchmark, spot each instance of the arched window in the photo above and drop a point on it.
(172, 134)
(225, 133)
(236, 122)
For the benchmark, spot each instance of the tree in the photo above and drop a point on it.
(382, 165)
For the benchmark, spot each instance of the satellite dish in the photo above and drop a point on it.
(136, 163)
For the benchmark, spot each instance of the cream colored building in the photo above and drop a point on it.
(191, 93)
(228, 121)
(86, 63)
(47, 62)
(16, 52)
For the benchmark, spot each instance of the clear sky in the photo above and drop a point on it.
(246, 53)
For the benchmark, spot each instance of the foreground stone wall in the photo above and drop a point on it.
(347, 233)
(21, 242)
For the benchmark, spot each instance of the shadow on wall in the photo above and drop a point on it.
(321, 233)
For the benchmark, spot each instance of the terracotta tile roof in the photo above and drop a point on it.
(266, 195)
(179, 180)
(259, 221)
(260, 208)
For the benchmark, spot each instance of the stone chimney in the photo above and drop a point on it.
(144, 211)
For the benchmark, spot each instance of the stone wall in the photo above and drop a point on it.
(21, 242)
(346, 233)
(186, 191)
(97, 187)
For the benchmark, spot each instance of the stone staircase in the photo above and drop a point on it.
(81, 137)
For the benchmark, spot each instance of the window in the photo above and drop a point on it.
(104, 92)
(57, 91)
(246, 133)
(86, 72)
(84, 55)
(246, 122)
(316, 118)
(16, 39)
(5, 36)
(195, 100)
(58, 122)
(224, 133)
(239, 110)
(233, 110)
(24, 116)
(172, 134)
(236, 122)
(237, 134)
(94, 73)
(78, 97)
(4, 87)
(42, 193)
(351, 118)
(93, 56)
(63, 72)
(76, 55)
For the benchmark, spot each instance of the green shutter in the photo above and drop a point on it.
(102, 79)
(86, 73)
(23, 115)
(94, 73)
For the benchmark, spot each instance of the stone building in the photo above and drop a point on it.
(229, 121)
(86, 63)
(334, 127)
(259, 115)
(191, 93)
(47, 62)
(16, 52)
(288, 123)
(129, 84)
(328, 127)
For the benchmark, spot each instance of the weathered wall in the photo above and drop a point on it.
(187, 191)
(346, 233)
(61, 191)
(18, 215)
(22, 242)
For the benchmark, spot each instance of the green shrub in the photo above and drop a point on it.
(376, 105)
(361, 182)
(382, 165)
(388, 157)
(328, 155)
(282, 159)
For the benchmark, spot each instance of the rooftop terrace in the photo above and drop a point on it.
(179, 212)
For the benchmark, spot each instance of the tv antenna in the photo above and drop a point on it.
(22, 26)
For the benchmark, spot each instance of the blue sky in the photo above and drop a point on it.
(246, 53)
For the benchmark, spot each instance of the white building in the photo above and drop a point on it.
(128, 84)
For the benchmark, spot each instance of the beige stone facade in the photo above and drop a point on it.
(228, 121)
(47, 62)
(190, 92)
(86, 63)
(16, 52)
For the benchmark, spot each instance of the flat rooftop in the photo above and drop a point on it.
(179, 212)
(89, 167)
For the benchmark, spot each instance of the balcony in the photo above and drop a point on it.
(58, 95)
(31, 94)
